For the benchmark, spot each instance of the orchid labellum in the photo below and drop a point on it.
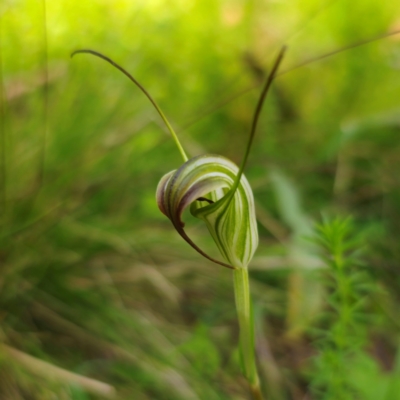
(219, 194)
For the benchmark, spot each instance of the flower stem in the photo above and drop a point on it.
(246, 326)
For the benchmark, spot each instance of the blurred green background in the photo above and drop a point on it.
(99, 296)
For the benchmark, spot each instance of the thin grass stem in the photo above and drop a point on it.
(223, 102)
(45, 104)
(3, 170)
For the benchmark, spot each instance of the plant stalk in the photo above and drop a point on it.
(246, 326)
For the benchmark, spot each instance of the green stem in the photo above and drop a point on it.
(3, 171)
(246, 326)
(42, 152)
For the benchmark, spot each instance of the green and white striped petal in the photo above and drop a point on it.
(229, 216)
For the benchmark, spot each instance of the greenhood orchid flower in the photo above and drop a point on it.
(230, 217)
(219, 194)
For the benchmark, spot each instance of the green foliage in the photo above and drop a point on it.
(202, 353)
(343, 333)
(92, 279)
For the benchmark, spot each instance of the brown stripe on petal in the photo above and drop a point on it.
(160, 193)
(200, 188)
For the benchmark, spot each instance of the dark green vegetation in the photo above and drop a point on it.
(93, 278)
